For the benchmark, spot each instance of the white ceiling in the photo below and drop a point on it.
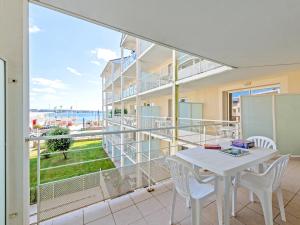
(234, 32)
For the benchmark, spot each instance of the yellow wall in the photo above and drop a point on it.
(161, 101)
(211, 96)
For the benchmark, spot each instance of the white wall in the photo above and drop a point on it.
(14, 50)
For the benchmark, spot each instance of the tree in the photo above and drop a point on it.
(62, 144)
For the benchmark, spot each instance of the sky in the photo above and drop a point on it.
(67, 56)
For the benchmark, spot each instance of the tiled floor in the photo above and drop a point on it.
(144, 208)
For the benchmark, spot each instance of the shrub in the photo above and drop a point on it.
(54, 145)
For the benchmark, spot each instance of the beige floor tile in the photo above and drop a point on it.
(139, 222)
(107, 220)
(287, 196)
(73, 218)
(210, 213)
(47, 222)
(250, 217)
(127, 216)
(149, 206)
(256, 206)
(159, 188)
(96, 211)
(159, 217)
(181, 211)
(234, 221)
(188, 221)
(140, 195)
(165, 198)
(293, 207)
(290, 220)
(120, 203)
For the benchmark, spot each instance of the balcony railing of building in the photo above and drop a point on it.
(114, 118)
(127, 166)
(109, 98)
(190, 66)
(144, 45)
(150, 81)
(130, 91)
(129, 60)
(117, 97)
(129, 120)
(114, 76)
(157, 122)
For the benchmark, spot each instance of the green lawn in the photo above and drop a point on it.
(93, 150)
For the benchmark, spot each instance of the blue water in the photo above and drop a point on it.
(76, 116)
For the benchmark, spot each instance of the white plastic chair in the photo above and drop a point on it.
(264, 184)
(190, 186)
(263, 142)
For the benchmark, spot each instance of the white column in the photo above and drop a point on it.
(175, 87)
(122, 110)
(138, 115)
(138, 102)
(14, 50)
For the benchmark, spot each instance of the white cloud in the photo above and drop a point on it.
(43, 90)
(96, 62)
(55, 84)
(104, 54)
(73, 71)
(34, 28)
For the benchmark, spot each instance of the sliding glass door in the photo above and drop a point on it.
(2, 142)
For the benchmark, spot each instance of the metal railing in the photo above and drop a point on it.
(129, 60)
(129, 120)
(130, 91)
(116, 163)
(144, 45)
(150, 81)
(197, 68)
(113, 77)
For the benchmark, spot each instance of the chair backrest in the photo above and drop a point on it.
(180, 174)
(276, 171)
(263, 142)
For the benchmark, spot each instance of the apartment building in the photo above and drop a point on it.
(154, 86)
(142, 90)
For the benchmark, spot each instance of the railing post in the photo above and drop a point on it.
(204, 132)
(150, 188)
(200, 138)
(38, 179)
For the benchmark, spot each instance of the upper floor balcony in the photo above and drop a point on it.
(128, 61)
(144, 45)
(150, 80)
(129, 91)
(189, 66)
(110, 79)
(128, 42)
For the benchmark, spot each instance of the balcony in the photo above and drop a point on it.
(150, 80)
(189, 66)
(115, 75)
(129, 120)
(128, 61)
(130, 91)
(117, 97)
(144, 45)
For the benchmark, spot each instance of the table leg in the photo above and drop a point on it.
(227, 199)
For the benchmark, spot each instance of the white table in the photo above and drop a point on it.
(225, 166)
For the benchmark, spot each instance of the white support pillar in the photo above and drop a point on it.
(138, 115)
(175, 88)
(138, 103)
(122, 111)
(14, 51)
